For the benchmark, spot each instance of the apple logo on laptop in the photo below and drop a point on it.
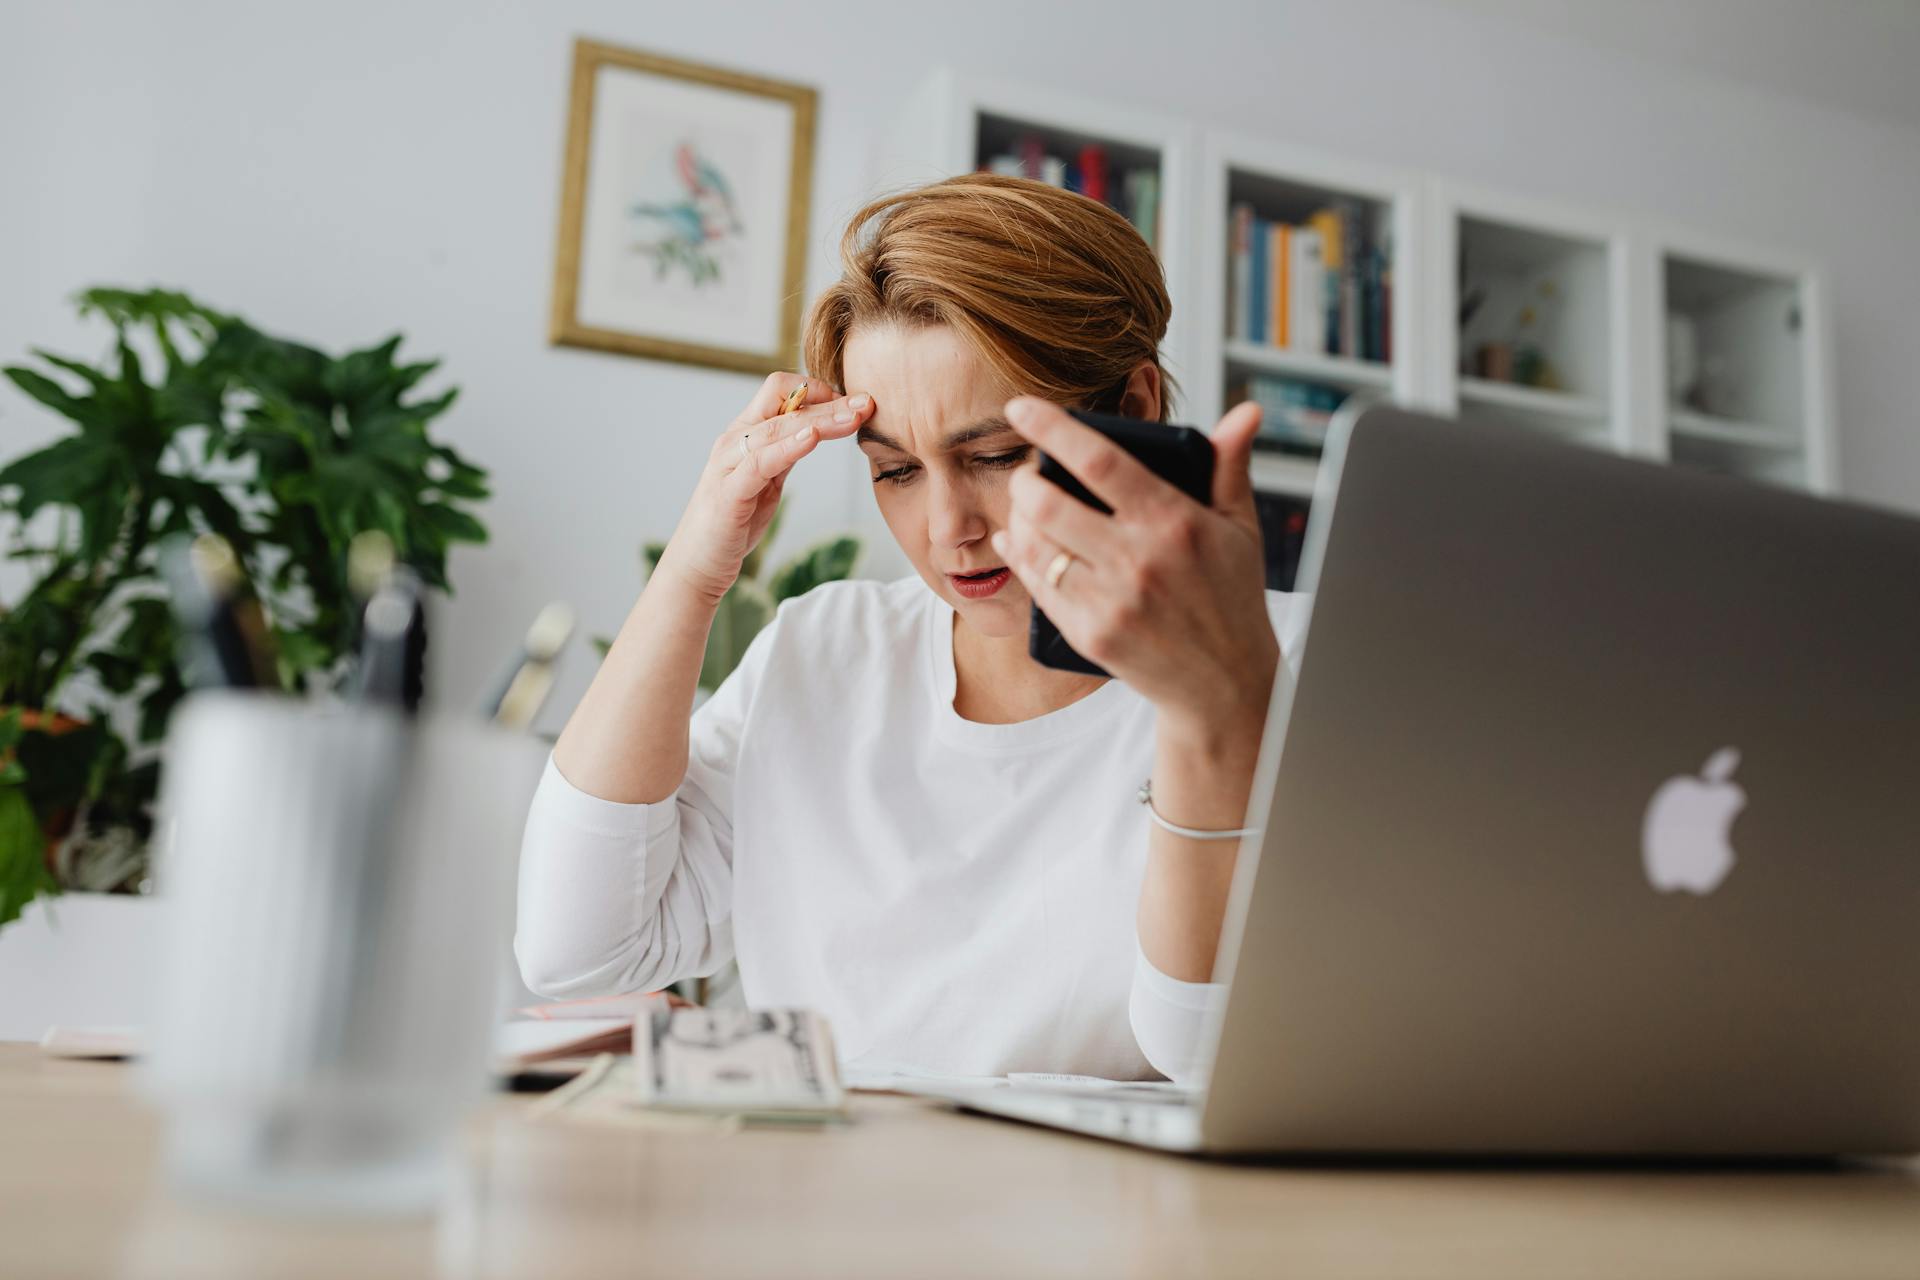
(1684, 837)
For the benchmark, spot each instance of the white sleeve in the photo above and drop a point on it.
(633, 897)
(1169, 1017)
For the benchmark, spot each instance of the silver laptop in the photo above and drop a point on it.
(1591, 827)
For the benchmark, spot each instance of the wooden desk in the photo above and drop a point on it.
(911, 1191)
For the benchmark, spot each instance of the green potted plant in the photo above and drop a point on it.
(281, 449)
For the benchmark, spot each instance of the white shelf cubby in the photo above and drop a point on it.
(954, 124)
(1529, 312)
(1289, 184)
(1739, 380)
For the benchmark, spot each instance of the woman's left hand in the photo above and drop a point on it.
(1165, 593)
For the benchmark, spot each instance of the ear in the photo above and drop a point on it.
(1141, 399)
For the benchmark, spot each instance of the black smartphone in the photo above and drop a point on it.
(1181, 456)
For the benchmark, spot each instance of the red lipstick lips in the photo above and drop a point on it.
(978, 586)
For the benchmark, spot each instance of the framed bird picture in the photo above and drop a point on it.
(683, 211)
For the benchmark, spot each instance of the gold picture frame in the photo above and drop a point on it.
(638, 331)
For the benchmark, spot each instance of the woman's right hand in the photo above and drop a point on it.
(739, 491)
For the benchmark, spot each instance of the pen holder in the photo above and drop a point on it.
(338, 885)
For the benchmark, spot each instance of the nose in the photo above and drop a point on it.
(954, 517)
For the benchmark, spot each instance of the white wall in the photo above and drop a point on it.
(340, 171)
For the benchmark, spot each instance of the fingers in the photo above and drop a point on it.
(1109, 471)
(1233, 457)
(1065, 587)
(1043, 507)
(834, 420)
(1030, 554)
(773, 393)
(769, 462)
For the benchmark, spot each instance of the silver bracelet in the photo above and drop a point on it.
(1145, 796)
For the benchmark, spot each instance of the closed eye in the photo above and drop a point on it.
(1011, 458)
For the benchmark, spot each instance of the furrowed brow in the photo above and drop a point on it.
(868, 435)
(978, 431)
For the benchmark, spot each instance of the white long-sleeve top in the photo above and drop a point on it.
(956, 897)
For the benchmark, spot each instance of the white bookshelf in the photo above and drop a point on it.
(954, 123)
(1605, 291)
(1288, 184)
(1339, 371)
(1739, 383)
(1547, 408)
(1529, 315)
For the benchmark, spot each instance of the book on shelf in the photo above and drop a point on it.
(1093, 172)
(1279, 251)
(1260, 298)
(1142, 205)
(1283, 536)
(1330, 226)
(1294, 414)
(1133, 193)
(1306, 291)
(1322, 286)
(1239, 270)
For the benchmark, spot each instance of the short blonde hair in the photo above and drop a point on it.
(1059, 294)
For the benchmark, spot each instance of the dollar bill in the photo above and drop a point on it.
(763, 1063)
(602, 1095)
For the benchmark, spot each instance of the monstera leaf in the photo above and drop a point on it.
(829, 561)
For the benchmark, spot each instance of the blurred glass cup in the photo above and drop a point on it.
(338, 883)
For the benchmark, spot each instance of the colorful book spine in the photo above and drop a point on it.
(1279, 247)
(1327, 223)
(1352, 271)
(1307, 292)
(1144, 207)
(1240, 275)
(1262, 296)
(1093, 172)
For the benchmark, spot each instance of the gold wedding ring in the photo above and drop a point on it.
(1057, 569)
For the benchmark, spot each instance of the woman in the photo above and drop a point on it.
(889, 812)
